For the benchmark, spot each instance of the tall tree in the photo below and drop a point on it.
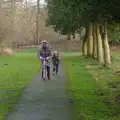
(37, 22)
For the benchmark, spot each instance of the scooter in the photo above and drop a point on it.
(44, 69)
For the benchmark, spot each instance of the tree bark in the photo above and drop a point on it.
(37, 23)
(99, 45)
(73, 34)
(106, 48)
(90, 40)
(84, 46)
(69, 36)
(1, 3)
(94, 42)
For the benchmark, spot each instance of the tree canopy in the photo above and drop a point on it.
(69, 15)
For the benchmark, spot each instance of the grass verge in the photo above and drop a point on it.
(16, 72)
(90, 90)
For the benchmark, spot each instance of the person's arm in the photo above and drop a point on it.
(39, 55)
(52, 59)
(59, 60)
(50, 54)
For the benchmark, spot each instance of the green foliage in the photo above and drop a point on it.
(62, 16)
(68, 16)
(114, 33)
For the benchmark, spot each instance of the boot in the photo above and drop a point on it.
(53, 71)
(48, 75)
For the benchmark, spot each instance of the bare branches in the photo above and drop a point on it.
(3, 32)
(18, 21)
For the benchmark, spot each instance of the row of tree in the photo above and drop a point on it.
(18, 22)
(70, 16)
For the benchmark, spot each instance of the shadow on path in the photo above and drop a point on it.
(44, 101)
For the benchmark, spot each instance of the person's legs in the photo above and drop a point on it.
(57, 65)
(42, 73)
(43, 68)
(53, 68)
(48, 72)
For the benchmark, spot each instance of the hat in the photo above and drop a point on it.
(44, 41)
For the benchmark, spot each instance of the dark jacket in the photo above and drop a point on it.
(45, 53)
(55, 59)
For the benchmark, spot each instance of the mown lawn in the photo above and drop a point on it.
(93, 88)
(16, 72)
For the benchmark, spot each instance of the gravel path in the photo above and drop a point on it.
(44, 101)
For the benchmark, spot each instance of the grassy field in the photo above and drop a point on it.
(16, 72)
(94, 88)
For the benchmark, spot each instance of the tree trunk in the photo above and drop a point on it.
(84, 46)
(1, 3)
(37, 23)
(90, 40)
(34, 37)
(69, 36)
(94, 42)
(99, 45)
(2, 48)
(106, 48)
(73, 34)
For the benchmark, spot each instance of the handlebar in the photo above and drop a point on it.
(45, 58)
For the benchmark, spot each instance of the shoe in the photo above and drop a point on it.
(48, 76)
(53, 73)
(43, 79)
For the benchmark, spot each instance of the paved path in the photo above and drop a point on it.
(44, 101)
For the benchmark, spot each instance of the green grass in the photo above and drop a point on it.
(16, 72)
(86, 91)
(30, 50)
(86, 82)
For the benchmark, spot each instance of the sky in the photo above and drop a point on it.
(35, 1)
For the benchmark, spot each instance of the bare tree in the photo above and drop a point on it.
(37, 22)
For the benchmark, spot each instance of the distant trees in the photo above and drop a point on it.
(18, 22)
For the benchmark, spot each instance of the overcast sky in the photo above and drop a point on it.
(35, 1)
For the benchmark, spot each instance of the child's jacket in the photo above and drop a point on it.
(55, 59)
